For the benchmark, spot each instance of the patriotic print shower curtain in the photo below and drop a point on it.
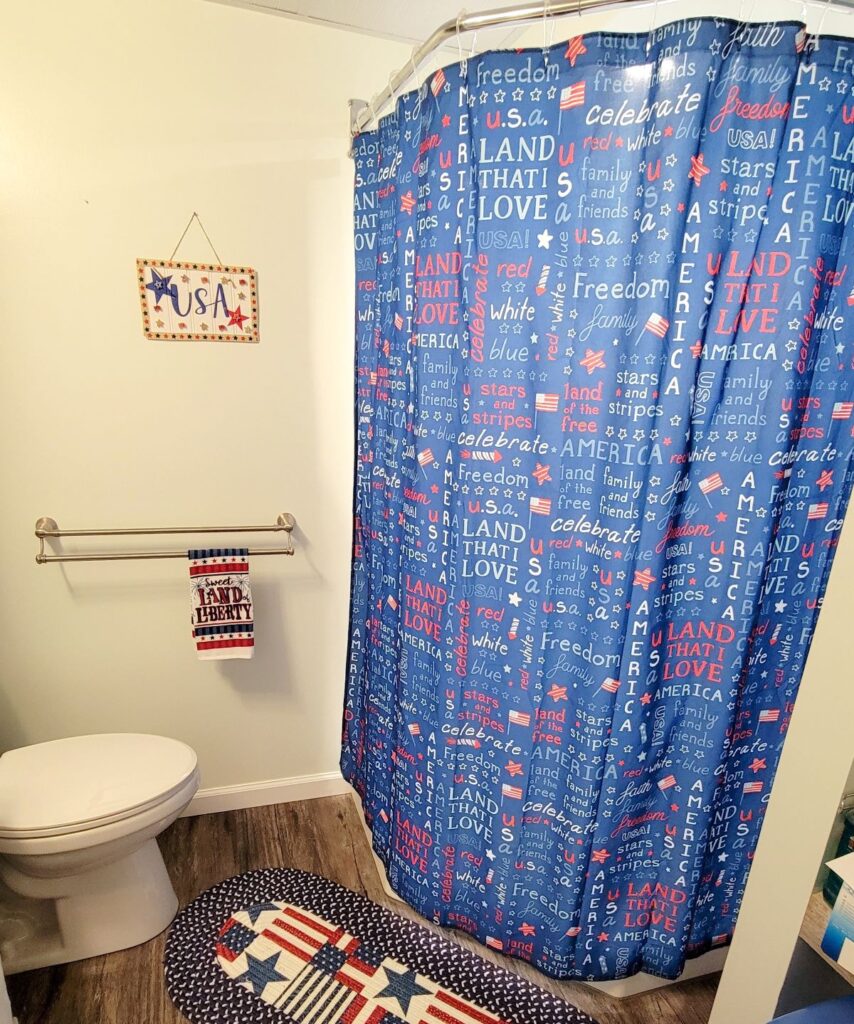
(605, 356)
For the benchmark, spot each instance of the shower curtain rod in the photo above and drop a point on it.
(362, 113)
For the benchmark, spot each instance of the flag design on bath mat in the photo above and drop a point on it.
(286, 947)
(221, 602)
(314, 971)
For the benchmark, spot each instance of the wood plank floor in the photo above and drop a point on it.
(324, 836)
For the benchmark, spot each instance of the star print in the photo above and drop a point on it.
(259, 908)
(402, 987)
(544, 239)
(514, 599)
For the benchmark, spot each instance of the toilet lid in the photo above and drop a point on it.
(76, 783)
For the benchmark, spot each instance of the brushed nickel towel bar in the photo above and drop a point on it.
(47, 528)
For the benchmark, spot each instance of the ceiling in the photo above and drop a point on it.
(410, 22)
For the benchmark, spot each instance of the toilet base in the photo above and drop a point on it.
(109, 908)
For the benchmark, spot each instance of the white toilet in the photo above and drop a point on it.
(80, 870)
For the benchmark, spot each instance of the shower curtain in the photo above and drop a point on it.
(604, 436)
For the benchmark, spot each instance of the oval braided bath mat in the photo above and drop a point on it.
(287, 947)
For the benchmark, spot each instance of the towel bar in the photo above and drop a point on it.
(47, 528)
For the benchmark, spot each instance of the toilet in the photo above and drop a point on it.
(80, 870)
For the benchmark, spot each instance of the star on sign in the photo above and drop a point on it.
(160, 286)
(237, 317)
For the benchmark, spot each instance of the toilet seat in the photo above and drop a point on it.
(71, 785)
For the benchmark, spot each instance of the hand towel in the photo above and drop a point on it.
(221, 603)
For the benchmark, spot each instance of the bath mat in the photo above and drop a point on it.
(287, 947)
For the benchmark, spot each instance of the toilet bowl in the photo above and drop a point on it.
(80, 870)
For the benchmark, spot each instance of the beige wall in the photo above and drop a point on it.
(118, 119)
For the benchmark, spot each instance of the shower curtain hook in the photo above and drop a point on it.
(463, 60)
(414, 68)
(651, 27)
(391, 75)
(547, 40)
(820, 24)
(460, 17)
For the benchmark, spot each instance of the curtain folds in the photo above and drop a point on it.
(604, 436)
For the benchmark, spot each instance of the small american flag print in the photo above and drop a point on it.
(541, 506)
(711, 483)
(657, 325)
(546, 402)
(572, 96)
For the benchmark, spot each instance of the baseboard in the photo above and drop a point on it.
(270, 791)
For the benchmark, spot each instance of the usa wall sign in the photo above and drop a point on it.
(197, 301)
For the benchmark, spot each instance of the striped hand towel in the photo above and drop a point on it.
(221, 602)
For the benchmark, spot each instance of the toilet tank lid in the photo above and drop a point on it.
(88, 778)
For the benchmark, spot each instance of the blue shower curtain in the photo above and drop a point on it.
(604, 434)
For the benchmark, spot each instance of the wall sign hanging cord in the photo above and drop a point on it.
(196, 217)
